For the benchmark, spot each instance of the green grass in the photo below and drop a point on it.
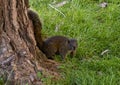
(96, 29)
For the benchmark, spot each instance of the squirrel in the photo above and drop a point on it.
(59, 45)
(56, 45)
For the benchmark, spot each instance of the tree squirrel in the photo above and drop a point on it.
(59, 45)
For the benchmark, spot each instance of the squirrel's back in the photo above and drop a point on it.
(57, 39)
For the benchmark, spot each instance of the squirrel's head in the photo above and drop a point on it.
(72, 44)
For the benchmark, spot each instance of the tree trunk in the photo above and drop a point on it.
(18, 51)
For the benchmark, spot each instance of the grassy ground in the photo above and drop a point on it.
(96, 29)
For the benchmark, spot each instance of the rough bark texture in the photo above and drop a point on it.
(18, 49)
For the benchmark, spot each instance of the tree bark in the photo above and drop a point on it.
(18, 51)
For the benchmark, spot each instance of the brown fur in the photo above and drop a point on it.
(33, 16)
(59, 45)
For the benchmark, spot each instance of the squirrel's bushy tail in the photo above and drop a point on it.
(34, 17)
